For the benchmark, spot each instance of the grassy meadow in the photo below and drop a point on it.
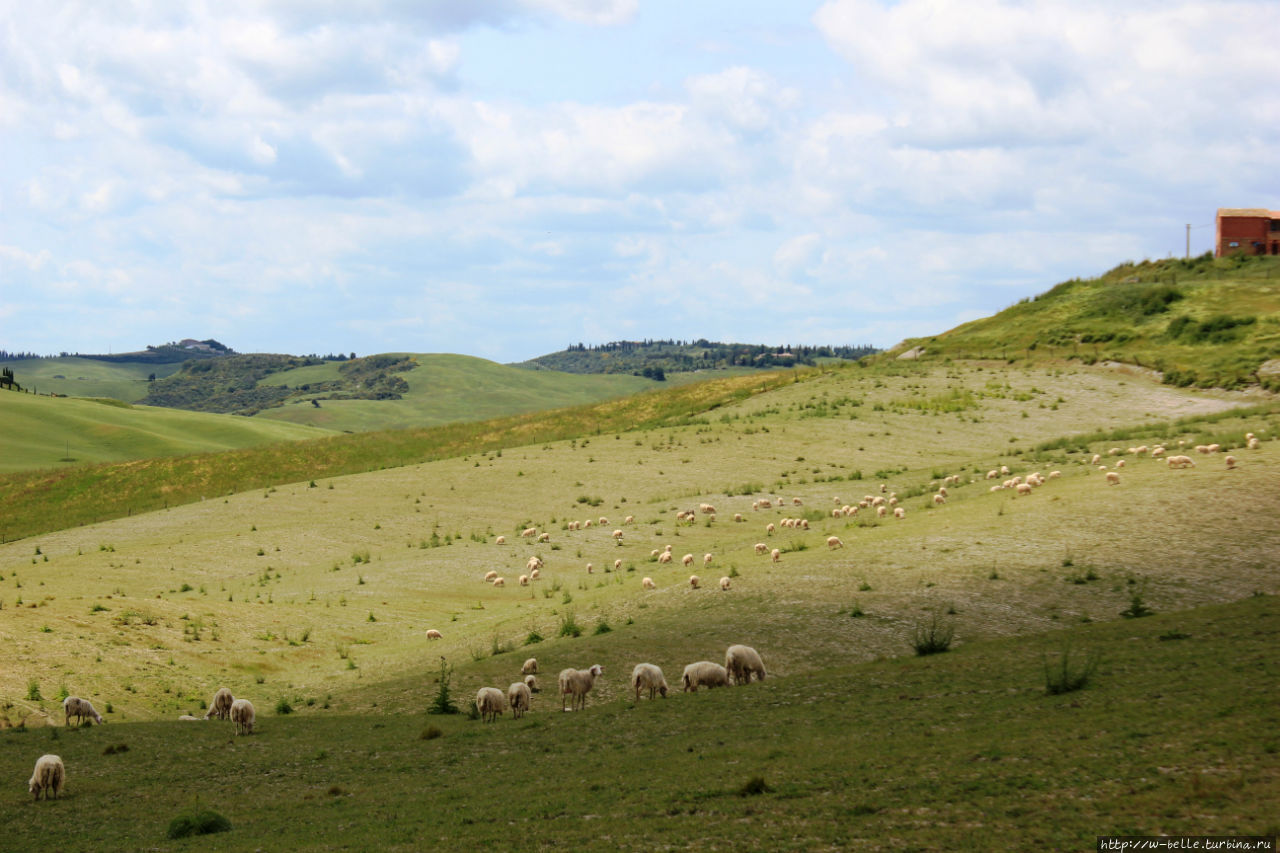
(87, 377)
(60, 432)
(314, 594)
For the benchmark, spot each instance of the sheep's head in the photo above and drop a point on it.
(662, 688)
(596, 670)
(33, 787)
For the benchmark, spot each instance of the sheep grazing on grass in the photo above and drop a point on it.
(706, 559)
(664, 557)
(724, 583)
(490, 703)
(529, 532)
(1023, 488)
(433, 634)
(1253, 444)
(834, 542)
(646, 676)
(1053, 475)
(187, 718)
(535, 574)
(630, 519)
(518, 696)
(617, 534)
(617, 564)
(220, 707)
(48, 777)
(899, 512)
(1231, 462)
(704, 673)
(531, 681)
(587, 523)
(81, 709)
(578, 683)
(243, 716)
(1180, 462)
(499, 581)
(762, 548)
(524, 580)
(501, 540)
(545, 537)
(769, 528)
(694, 580)
(529, 667)
(882, 511)
(939, 500)
(654, 553)
(1157, 451)
(647, 583)
(737, 516)
(1120, 463)
(687, 559)
(489, 576)
(603, 521)
(776, 555)
(992, 474)
(590, 568)
(1113, 479)
(742, 662)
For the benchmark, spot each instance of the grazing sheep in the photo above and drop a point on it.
(765, 503)
(534, 563)
(1120, 463)
(518, 696)
(654, 552)
(737, 516)
(1053, 475)
(992, 474)
(499, 581)
(433, 634)
(617, 564)
(834, 542)
(529, 532)
(630, 519)
(694, 580)
(1004, 470)
(706, 509)
(1113, 479)
(81, 709)
(704, 673)
(524, 580)
(1179, 462)
(603, 521)
(836, 513)
(48, 777)
(1253, 444)
(1157, 451)
(942, 490)
(796, 502)
(646, 676)
(1231, 462)
(882, 511)
(939, 500)
(899, 512)
(742, 662)
(761, 548)
(187, 718)
(578, 683)
(586, 523)
(1214, 448)
(590, 568)
(1024, 488)
(617, 534)
(664, 557)
(501, 540)
(804, 524)
(243, 716)
(531, 681)
(1096, 459)
(530, 666)
(769, 528)
(647, 583)
(687, 559)
(490, 703)
(724, 583)
(535, 574)
(545, 537)
(776, 555)
(220, 707)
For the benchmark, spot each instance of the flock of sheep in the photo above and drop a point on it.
(740, 664)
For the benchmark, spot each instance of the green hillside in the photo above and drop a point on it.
(61, 432)
(439, 389)
(86, 377)
(1203, 322)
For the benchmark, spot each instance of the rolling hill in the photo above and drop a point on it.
(305, 577)
(61, 432)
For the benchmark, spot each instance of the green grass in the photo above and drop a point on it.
(56, 432)
(87, 377)
(961, 751)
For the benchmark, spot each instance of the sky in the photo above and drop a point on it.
(502, 178)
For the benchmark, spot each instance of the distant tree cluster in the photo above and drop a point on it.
(7, 380)
(5, 355)
(654, 358)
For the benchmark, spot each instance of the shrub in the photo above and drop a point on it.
(754, 786)
(33, 691)
(443, 702)
(283, 707)
(534, 637)
(932, 637)
(430, 733)
(1064, 676)
(194, 822)
(602, 627)
(569, 626)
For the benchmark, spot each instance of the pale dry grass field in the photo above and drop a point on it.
(323, 593)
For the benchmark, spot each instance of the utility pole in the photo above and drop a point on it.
(1188, 241)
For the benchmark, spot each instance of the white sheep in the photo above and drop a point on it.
(81, 709)
(603, 521)
(501, 540)
(762, 548)
(490, 702)
(529, 532)
(1120, 463)
(433, 634)
(630, 519)
(834, 542)
(220, 707)
(188, 718)
(706, 559)
(544, 537)
(531, 681)
(882, 511)
(48, 777)
(776, 555)
(1231, 462)
(647, 583)
(899, 512)
(1023, 488)
(1253, 444)
(1113, 479)
(617, 534)
(724, 583)
(742, 662)
(694, 580)
(664, 557)
(939, 500)
(578, 683)
(518, 697)
(704, 673)
(687, 559)
(535, 562)
(1179, 462)
(737, 516)
(529, 666)
(535, 574)
(489, 576)
(243, 716)
(590, 568)
(524, 580)
(646, 676)
(617, 564)
(499, 581)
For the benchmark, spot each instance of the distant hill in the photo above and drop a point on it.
(1203, 322)
(654, 359)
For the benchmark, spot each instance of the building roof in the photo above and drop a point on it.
(1248, 211)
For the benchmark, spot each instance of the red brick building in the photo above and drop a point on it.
(1254, 231)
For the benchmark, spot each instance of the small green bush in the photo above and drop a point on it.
(1064, 676)
(283, 707)
(569, 626)
(204, 822)
(932, 637)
